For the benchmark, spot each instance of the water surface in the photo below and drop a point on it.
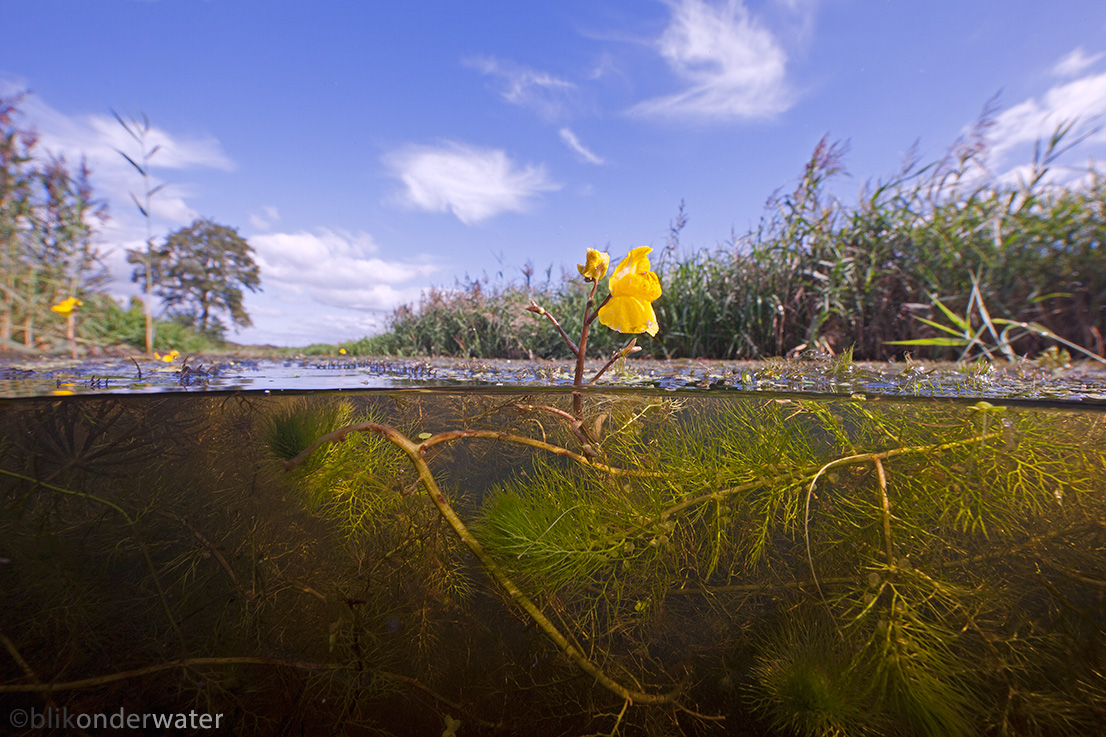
(1038, 380)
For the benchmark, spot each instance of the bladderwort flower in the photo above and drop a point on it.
(634, 288)
(66, 306)
(596, 266)
(68, 309)
(628, 309)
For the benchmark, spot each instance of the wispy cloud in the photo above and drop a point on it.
(732, 66)
(1076, 63)
(337, 268)
(1080, 101)
(573, 143)
(102, 134)
(472, 183)
(264, 221)
(99, 138)
(539, 91)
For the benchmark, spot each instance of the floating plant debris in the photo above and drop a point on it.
(1028, 380)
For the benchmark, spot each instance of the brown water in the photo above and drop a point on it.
(711, 563)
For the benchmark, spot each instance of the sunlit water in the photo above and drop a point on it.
(754, 563)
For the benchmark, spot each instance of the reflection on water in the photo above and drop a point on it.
(676, 564)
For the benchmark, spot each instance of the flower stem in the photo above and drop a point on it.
(539, 310)
(578, 379)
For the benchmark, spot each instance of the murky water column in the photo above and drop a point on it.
(414, 562)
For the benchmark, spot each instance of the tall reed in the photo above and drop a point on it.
(816, 271)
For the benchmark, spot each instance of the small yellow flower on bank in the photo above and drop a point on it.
(634, 287)
(596, 266)
(66, 306)
(169, 357)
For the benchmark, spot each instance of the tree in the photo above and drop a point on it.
(200, 271)
(48, 221)
(16, 184)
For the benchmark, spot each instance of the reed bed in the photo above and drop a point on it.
(819, 272)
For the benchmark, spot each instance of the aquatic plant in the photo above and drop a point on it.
(802, 681)
(810, 565)
(607, 539)
(993, 337)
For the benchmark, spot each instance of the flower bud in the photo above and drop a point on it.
(596, 266)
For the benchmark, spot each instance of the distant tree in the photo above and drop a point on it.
(200, 272)
(48, 224)
(16, 184)
(63, 229)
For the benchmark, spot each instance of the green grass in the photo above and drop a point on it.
(105, 324)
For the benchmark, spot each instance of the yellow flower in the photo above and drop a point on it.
(168, 357)
(596, 266)
(633, 289)
(66, 306)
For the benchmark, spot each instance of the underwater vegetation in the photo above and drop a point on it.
(720, 563)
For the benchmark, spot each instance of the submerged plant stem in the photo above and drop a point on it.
(442, 437)
(811, 477)
(885, 512)
(416, 453)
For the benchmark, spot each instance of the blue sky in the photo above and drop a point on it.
(369, 150)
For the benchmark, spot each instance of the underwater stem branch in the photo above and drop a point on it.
(885, 513)
(812, 477)
(416, 453)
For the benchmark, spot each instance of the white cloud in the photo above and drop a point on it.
(265, 220)
(472, 183)
(1081, 101)
(104, 135)
(539, 91)
(733, 67)
(99, 138)
(300, 323)
(573, 143)
(336, 268)
(1076, 63)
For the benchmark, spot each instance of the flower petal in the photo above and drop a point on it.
(636, 262)
(66, 306)
(645, 286)
(629, 315)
